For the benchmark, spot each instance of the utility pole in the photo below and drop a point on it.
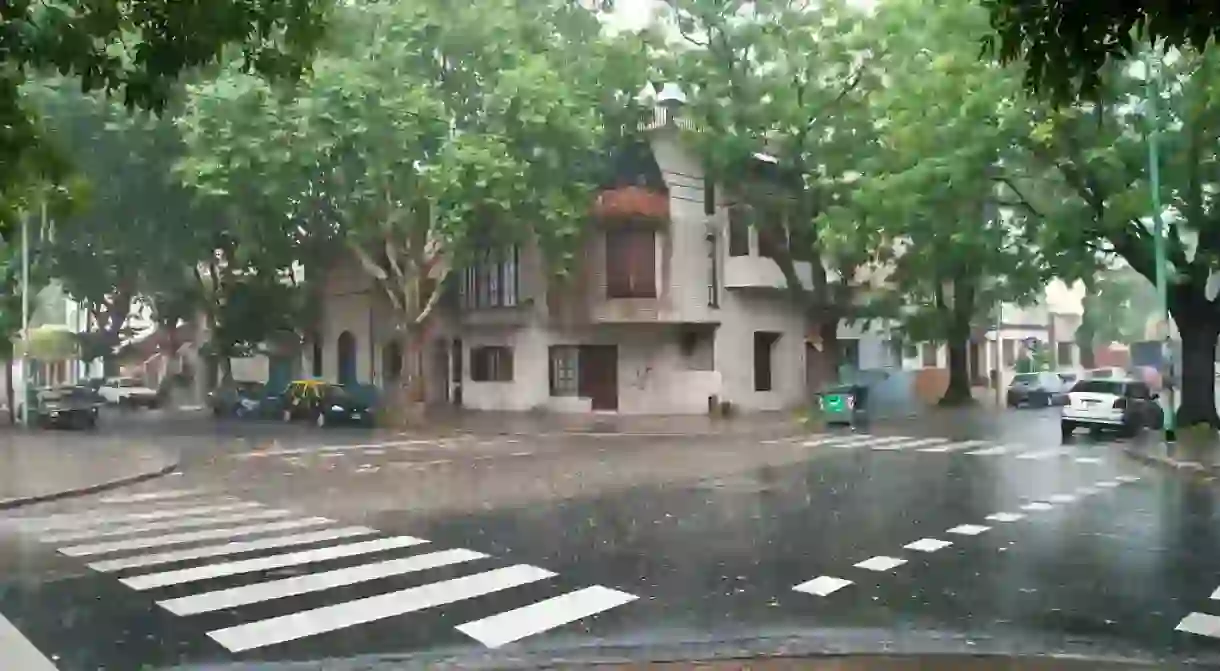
(1151, 94)
(25, 319)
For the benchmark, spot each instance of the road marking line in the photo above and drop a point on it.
(228, 549)
(373, 451)
(1088, 491)
(68, 521)
(523, 454)
(1200, 624)
(154, 496)
(1062, 498)
(822, 585)
(1088, 460)
(1106, 484)
(1127, 478)
(1005, 517)
(207, 602)
(1041, 454)
(370, 609)
(955, 447)
(842, 441)
(184, 523)
(968, 529)
(905, 443)
(518, 623)
(191, 537)
(19, 652)
(880, 563)
(153, 580)
(928, 545)
(990, 451)
(1037, 506)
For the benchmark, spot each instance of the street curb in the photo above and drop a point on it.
(9, 504)
(1192, 469)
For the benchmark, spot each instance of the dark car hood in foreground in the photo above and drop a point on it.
(822, 650)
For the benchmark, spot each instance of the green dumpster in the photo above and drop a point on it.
(842, 404)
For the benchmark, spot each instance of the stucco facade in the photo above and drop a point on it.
(513, 340)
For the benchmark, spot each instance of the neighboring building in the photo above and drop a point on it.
(1048, 324)
(674, 307)
(53, 310)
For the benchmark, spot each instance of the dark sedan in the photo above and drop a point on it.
(324, 404)
(1037, 390)
(65, 407)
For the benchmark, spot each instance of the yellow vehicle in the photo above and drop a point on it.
(323, 403)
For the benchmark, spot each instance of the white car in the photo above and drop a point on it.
(1121, 404)
(128, 392)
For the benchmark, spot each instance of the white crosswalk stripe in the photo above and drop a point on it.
(338, 616)
(154, 496)
(955, 447)
(206, 551)
(518, 623)
(903, 443)
(207, 602)
(247, 555)
(208, 571)
(143, 542)
(164, 510)
(165, 525)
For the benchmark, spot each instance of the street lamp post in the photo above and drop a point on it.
(1152, 94)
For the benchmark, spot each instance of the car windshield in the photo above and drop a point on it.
(1099, 387)
(1025, 379)
(1102, 373)
(336, 393)
(127, 382)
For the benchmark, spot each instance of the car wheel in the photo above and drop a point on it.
(1065, 429)
(320, 420)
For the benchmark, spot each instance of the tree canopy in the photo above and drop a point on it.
(137, 50)
(1065, 45)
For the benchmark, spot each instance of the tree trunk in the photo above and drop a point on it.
(1088, 357)
(1197, 368)
(402, 402)
(8, 391)
(959, 392)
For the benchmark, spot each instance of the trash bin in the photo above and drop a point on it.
(844, 404)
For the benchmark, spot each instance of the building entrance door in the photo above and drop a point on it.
(598, 379)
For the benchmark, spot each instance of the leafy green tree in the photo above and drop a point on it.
(788, 80)
(1093, 156)
(935, 188)
(426, 131)
(1065, 45)
(136, 49)
(1117, 305)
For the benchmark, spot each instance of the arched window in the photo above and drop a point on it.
(391, 361)
(347, 358)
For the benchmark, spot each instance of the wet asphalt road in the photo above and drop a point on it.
(679, 568)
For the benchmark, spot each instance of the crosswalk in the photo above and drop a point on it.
(927, 445)
(195, 552)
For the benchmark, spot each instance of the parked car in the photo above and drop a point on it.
(1042, 389)
(64, 407)
(237, 399)
(129, 392)
(324, 404)
(1125, 405)
(1107, 373)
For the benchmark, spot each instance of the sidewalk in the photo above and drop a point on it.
(46, 465)
(491, 422)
